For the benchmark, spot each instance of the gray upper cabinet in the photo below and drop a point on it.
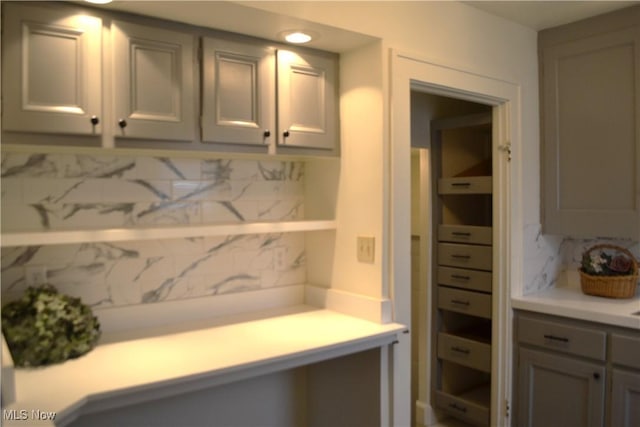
(590, 101)
(307, 107)
(51, 79)
(238, 102)
(153, 82)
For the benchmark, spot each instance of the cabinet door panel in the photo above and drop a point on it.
(591, 110)
(239, 102)
(51, 75)
(307, 100)
(559, 391)
(625, 399)
(153, 82)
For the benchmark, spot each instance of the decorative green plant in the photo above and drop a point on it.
(46, 327)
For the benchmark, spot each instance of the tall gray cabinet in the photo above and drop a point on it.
(590, 116)
(463, 256)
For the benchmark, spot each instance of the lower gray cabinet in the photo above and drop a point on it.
(625, 399)
(575, 373)
(560, 391)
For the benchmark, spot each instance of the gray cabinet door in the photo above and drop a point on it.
(625, 399)
(51, 74)
(558, 391)
(591, 134)
(153, 82)
(238, 99)
(307, 107)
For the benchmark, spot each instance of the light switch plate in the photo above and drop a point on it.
(366, 249)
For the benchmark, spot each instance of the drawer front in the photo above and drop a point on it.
(464, 409)
(465, 234)
(625, 350)
(464, 351)
(467, 279)
(467, 302)
(469, 185)
(566, 338)
(465, 256)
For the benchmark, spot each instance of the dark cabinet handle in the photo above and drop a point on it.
(95, 120)
(461, 233)
(461, 184)
(267, 133)
(461, 350)
(460, 256)
(596, 376)
(460, 302)
(122, 123)
(457, 407)
(286, 134)
(555, 338)
(460, 277)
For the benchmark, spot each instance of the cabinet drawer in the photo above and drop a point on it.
(467, 302)
(467, 279)
(466, 185)
(625, 350)
(566, 338)
(465, 234)
(465, 407)
(464, 351)
(466, 256)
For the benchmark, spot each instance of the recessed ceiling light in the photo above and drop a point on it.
(99, 1)
(297, 36)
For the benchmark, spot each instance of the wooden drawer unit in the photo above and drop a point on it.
(465, 234)
(625, 350)
(465, 256)
(466, 279)
(466, 185)
(567, 338)
(472, 407)
(465, 351)
(467, 302)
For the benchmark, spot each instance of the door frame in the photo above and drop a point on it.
(412, 73)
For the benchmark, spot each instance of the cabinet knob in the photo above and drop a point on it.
(286, 134)
(596, 376)
(95, 120)
(267, 133)
(122, 123)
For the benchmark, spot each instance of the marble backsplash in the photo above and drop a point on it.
(67, 191)
(548, 256)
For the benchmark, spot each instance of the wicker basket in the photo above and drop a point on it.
(611, 286)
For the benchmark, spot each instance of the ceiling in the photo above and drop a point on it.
(541, 14)
(234, 16)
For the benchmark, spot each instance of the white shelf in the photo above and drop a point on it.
(173, 232)
(114, 374)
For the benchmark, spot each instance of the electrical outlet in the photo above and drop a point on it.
(35, 275)
(366, 249)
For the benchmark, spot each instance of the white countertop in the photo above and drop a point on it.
(115, 373)
(568, 300)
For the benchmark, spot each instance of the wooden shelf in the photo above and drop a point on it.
(175, 232)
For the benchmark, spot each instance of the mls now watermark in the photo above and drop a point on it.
(24, 415)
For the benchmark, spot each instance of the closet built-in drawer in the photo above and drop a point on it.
(465, 256)
(465, 185)
(567, 338)
(465, 234)
(625, 350)
(472, 406)
(465, 351)
(467, 279)
(467, 302)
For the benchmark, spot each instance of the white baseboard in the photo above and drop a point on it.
(372, 309)
(425, 414)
